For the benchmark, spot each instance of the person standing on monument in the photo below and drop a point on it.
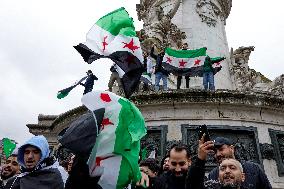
(160, 72)
(179, 77)
(114, 77)
(208, 73)
(89, 82)
(255, 176)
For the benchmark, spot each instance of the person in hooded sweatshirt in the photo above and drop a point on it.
(38, 169)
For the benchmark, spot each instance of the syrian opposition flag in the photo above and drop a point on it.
(64, 92)
(113, 36)
(8, 146)
(115, 155)
(184, 62)
(146, 78)
(217, 64)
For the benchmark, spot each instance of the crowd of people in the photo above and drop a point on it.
(32, 167)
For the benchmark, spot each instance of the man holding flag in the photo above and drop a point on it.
(208, 72)
(89, 82)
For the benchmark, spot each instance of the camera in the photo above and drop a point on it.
(202, 129)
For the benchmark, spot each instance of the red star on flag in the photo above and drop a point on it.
(196, 62)
(105, 97)
(104, 43)
(131, 45)
(169, 60)
(182, 63)
(99, 159)
(106, 122)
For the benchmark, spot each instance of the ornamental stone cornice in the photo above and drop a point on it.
(200, 96)
(171, 98)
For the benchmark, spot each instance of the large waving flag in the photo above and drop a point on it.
(115, 155)
(184, 62)
(8, 146)
(113, 36)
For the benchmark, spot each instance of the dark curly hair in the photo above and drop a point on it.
(151, 163)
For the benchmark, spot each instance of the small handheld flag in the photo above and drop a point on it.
(8, 146)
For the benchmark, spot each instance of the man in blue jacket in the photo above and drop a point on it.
(38, 169)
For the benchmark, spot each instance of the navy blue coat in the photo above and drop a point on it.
(89, 83)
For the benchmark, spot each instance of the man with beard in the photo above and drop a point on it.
(255, 176)
(230, 174)
(179, 162)
(10, 169)
(38, 169)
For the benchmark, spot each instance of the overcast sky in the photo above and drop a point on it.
(37, 57)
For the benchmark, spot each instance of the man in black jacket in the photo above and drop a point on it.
(179, 77)
(89, 82)
(255, 176)
(179, 163)
(160, 72)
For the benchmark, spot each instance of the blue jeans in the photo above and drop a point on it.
(208, 77)
(158, 77)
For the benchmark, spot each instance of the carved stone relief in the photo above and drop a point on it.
(277, 139)
(155, 140)
(158, 28)
(208, 12)
(267, 151)
(245, 78)
(276, 87)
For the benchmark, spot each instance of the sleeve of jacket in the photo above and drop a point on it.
(263, 180)
(213, 174)
(152, 54)
(196, 174)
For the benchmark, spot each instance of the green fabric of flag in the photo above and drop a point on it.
(144, 153)
(186, 53)
(113, 22)
(8, 146)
